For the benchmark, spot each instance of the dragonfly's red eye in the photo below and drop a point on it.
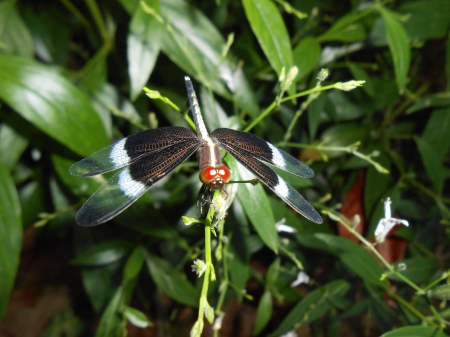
(210, 173)
(224, 173)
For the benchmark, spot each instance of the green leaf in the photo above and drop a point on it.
(137, 318)
(313, 306)
(399, 46)
(272, 273)
(342, 135)
(239, 261)
(315, 110)
(359, 74)
(438, 100)
(264, 312)
(257, 207)
(353, 255)
(134, 263)
(195, 45)
(171, 282)
(15, 36)
(437, 131)
(342, 108)
(268, 26)
(346, 29)
(10, 236)
(306, 56)
(426, 19)
(113, 322)
(143, 46)
(415, 331)
(104, 253)
(12, 145)
(52, 103)
(416, 269)
(376, 183)
(433, 163)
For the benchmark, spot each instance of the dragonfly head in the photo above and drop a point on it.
(215, 177)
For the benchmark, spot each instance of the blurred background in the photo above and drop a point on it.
(71, 82)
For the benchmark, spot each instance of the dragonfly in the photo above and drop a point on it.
(148, 156)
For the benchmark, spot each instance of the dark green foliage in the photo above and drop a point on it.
(71, 79)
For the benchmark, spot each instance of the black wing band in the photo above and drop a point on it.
(131, 149)
(129, 184)
(262, 150)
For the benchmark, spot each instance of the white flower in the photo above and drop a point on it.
(302, 277)
(281, 227)
(199, 267)
(387, 223)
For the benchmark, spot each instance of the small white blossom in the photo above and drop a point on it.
(218, 321)
(401, 266)
(281, 227)
(199, 267)
(387, 223)
(290, 334)
(302, 277)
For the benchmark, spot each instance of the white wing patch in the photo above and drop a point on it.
(277, 157)
(282, 188)
(118, 154)
(130, 187)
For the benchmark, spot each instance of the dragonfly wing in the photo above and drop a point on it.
(130, 183)
(131, 149)
(262, 150)
(272, 180)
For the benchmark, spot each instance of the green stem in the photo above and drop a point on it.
(345, 222)
(407, 305)
(274, 104)
(74, 10)
(98, 18)
(209, 274)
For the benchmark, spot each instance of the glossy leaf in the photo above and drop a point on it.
(15, 36)
(104, 253)
(195, 45)
(399, 46)
(376, 183)
(10, 236)
(437, 100)
(143, 46)
(353, 255)
(270, 30)
(134, 263)
(433, 163)
(272, 273)
(306, 55)
(427, 19)
(437, 131)
(52, 103)
(416, 269)
(257, 207)
(264, 312)
(359, 74)
(137, 318)
(12, 145)
(415, 331)
(172, 282)
(313, 306)
(346, 29)
(113, 321)
(342, 135)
